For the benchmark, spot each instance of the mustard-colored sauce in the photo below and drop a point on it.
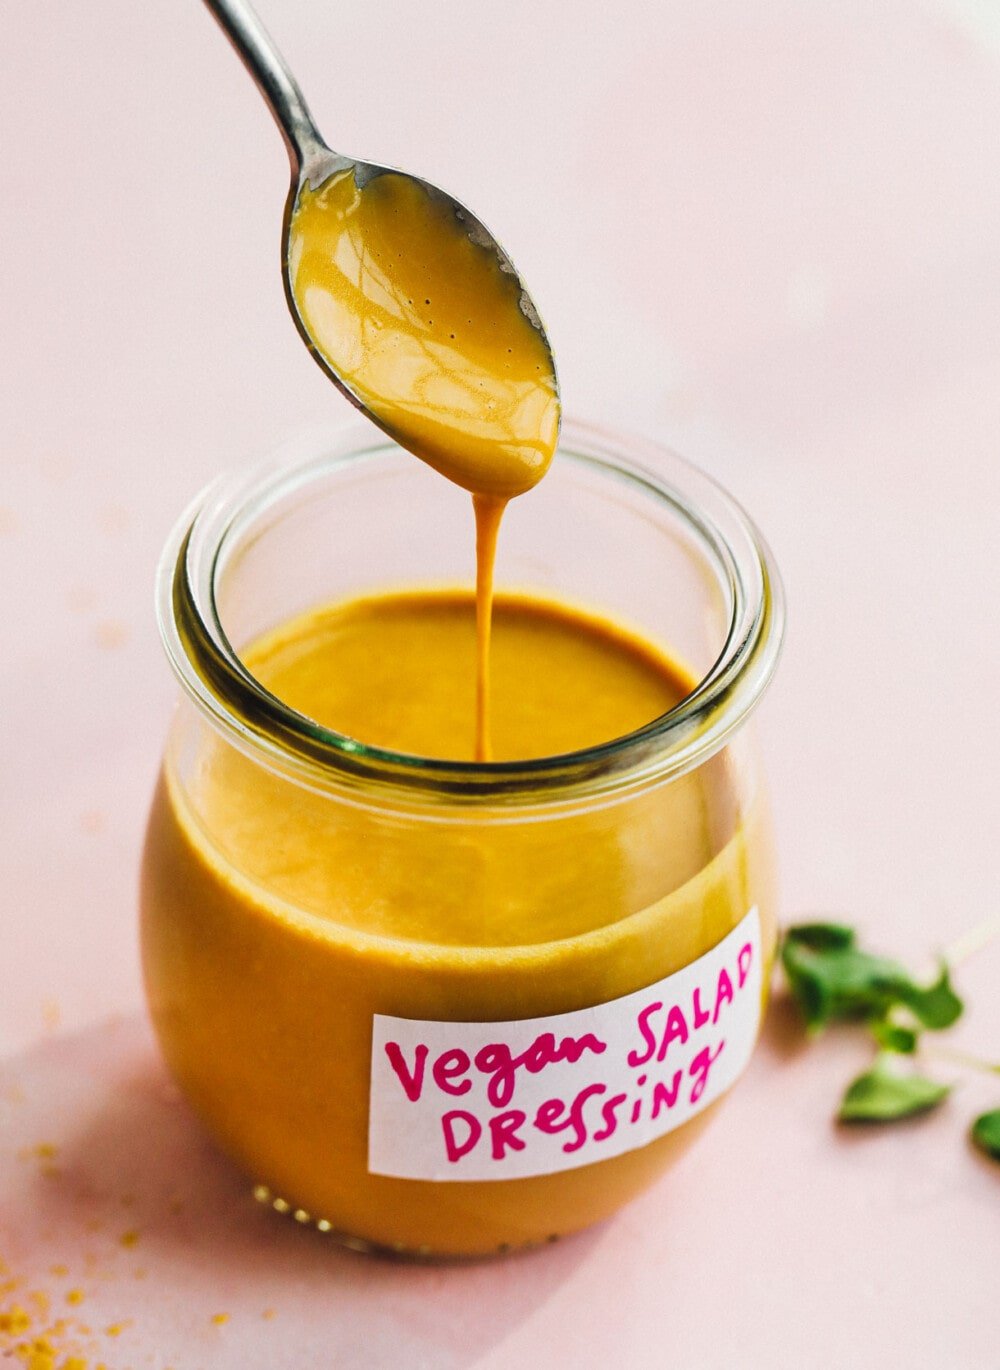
(396, 671)
(426, 329)
(489, 512)
(277, 921)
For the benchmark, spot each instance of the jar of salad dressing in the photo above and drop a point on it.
(440, 1006)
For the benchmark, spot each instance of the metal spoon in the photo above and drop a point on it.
(312, 165)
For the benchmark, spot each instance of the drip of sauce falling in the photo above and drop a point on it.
(489, 511)
(425, 328)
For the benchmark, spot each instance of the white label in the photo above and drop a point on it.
(499, 1101)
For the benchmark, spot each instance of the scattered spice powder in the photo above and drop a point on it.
(29, 1336)
(45, 1153)
(15, 1321)
(129, 1238)
(39, 1354)
(41, 1151)
(220, 1318)
(41, 1301)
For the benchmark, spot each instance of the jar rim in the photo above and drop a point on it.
(213, 675)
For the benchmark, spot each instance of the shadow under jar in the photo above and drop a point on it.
(367, 969)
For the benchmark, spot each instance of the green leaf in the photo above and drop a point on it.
(800, 948)
(937, 1006)
(821, 936)
(882, 1095)
(892, 1037)
(842, 982)
(807, 987)
(986, 1133)
(832, 979)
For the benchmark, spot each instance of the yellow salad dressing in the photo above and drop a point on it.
(276, 924)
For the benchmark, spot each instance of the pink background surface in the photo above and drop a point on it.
(767, 234)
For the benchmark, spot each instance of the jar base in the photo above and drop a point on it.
(407, 1255)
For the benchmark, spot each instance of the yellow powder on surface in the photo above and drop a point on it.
(48, 1345)
(41, 1354)
(45, 1153)
(37, 1355)
(15, 1321)
(41, 1151)
(220, 1318)
(129, 1238)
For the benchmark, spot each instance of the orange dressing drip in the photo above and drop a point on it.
(489, 512)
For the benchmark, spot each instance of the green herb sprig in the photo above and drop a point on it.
(834, 980)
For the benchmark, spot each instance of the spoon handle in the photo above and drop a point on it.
(270, 72)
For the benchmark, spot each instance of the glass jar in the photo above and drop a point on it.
(378, 1033)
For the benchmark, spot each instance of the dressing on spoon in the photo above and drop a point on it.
(415, 311)
(426, 329)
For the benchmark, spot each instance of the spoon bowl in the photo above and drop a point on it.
(406, 300)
